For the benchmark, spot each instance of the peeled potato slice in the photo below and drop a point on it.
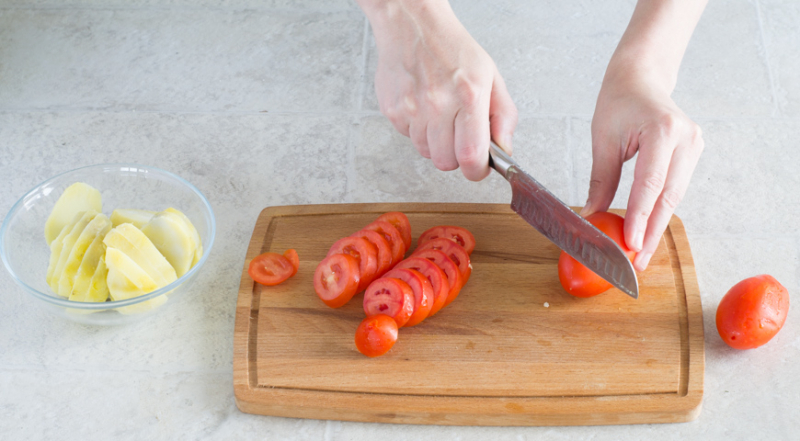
(198, 253)
(78, 197)
(66, 247)
(98, 226)
(171, 236)
(83, 288)
(131, 216)
(136, 246)
(126, 280)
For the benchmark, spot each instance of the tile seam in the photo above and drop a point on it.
(776, 111)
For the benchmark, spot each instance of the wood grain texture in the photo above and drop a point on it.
(495, 356)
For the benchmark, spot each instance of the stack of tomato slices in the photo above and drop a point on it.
(397, 292)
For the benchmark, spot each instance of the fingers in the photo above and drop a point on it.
(472, 138)
(440, 138)
(502, 114)
(606, 169)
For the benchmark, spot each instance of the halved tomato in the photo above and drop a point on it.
(365, 252)
(336, 279)
(270, 269)
(423, 292)
(292, 256)
(454, 251)
(376, 335)
(390, 233)
(449, 268)
(391, 297)
(383, 247)
(400, 221)
(435, 275)
(458, 235)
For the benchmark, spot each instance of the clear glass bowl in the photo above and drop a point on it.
(25, 252)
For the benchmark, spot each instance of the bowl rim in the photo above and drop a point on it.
(99, 306)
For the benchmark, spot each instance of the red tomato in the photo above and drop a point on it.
(454, 251)
(376, 335)
(450, 269)
(581, 281)
(390, 233)
(293, 258)
(752, 312)
(435, 275)
(366, 254)
(423, 292)
(382, 245)
(458, 235)
(270, 269)
(391, 297)
(336, 279)
(400, 221)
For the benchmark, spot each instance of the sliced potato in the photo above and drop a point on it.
(171, 236)
(98, 226)
(198, 253)
(57, 245)
(131, 216)
(66, 247)
(82, 288)
(77, 198)
(126, 280)
(135, 245)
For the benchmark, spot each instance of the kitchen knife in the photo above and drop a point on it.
(565, 228)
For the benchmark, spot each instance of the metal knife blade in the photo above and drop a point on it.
(565, 228)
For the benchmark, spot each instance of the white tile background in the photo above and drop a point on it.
(271, 102)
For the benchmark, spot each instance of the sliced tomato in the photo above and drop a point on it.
(423, 292)
(365, 252)
(383, 247)
(458, 235)
(293, 258)
(270, 269)
(376, 335)
(454, 251)
(391, 297)
(400, 221)
(450, 269)
(390, 233)
(336, 279)
(436, 277)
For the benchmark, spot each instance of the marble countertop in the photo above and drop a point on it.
(271, 102)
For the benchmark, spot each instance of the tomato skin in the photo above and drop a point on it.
(459, 235)
(450, 269)
(436, 277)
(752, 312)
(336, 279)
(399, 221)
(581, 281)
(392, 297)
(454, 251)
(376, 335)
(365, 252)
(390, 233)
(382, 245)
(270, 269)
(422, 289)
(293, 258)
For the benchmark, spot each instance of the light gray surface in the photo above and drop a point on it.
(263, 103)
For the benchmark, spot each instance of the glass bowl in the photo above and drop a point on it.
(25, 252)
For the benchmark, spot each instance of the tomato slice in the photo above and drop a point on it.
(423, 292)
(450, 269)
(270, 269)
(336, 279)
(383, 247)
(376, 335)
(454, 251)
(391, 297)
(390, 233)
(400, 221)
(436, 277)
(365, 252)
(752, 312)
(293, 258)
(458, 235)
(581, 281)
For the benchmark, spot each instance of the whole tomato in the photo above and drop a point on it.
(752, 312)
(581, 281)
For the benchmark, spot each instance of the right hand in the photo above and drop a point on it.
(439, 87)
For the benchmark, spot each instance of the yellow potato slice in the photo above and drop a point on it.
(171, 236)
(131, 216)
(135, 245)
(99, 225)
(83, 289)
(77, 198)
(126, 280)
(198, 252)
(66, 247)
(57, 245)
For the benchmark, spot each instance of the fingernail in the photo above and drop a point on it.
(644, 260)
(507, 144)
(586, 210)
(638, 241)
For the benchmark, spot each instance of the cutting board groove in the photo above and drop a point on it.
(495, 356)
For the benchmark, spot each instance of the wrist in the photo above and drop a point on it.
(392, 18)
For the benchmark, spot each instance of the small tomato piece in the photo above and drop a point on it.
(399, 221)
(454, 251)
(390, 233)
(392, 297)
(459, 235)
(435, 275)
(450, 269)
(376, 335)
(382, 245)
(423, 292)
(270, 269)
(293, 258)
(362, 250)
(336, 279)
(752, 312)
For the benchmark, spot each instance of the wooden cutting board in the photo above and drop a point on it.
(513, 349)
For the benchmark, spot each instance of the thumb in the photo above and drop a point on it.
(502, 114)
(606, 170)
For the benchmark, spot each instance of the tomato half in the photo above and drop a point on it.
(336, 279)
(581, 281)
(391, 297)
(454, 251)
(423, 292)
(270, 269)
(366, 254)
(376, 335)
(293, 258)
(435, 275)
(752, 312)
(459, 235)
(382, 245)
(399, 221)
(450, 269)
(390, 233)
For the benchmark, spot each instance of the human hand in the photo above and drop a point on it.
(438, 86)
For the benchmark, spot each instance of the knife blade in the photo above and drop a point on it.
(565, 228)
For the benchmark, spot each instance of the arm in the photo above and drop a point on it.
(437, 85)
(635, 112)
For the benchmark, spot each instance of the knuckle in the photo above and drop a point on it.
(468, 93)
(653, 183)
(444, 164)
(468, 155)
(670, 198)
